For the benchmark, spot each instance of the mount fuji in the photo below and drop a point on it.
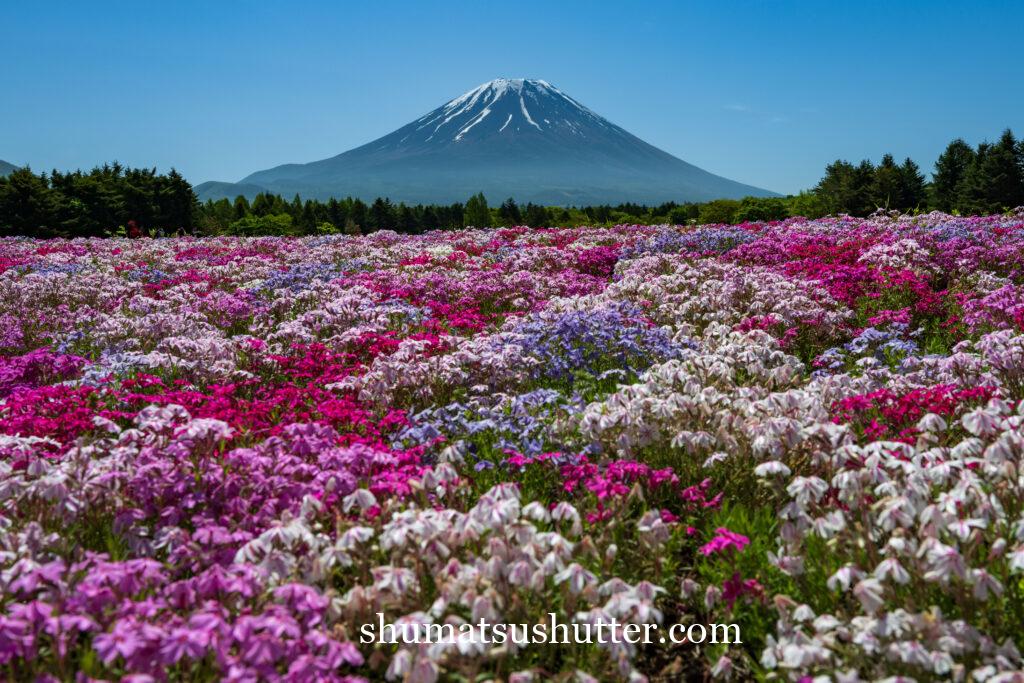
(518, 138)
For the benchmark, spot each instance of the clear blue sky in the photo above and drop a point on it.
(764, 93)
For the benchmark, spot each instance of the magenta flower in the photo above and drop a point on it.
(724, 541)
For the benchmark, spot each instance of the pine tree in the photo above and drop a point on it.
(382, 215)
(913, 193)
(240, 207)
(406, 219)
(994, 181)
(886, 184)
(846, 188)
(950, 170)
(1005, 175)
(28, 206)
(536, 216)
(262, 204)
(430, 220)
(973, 193)
(477, 215)
(358, 214)
(307, 221)
(509, 212)
(337, 213)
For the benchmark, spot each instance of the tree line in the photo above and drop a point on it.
(113, 199)
(272, 214)
(985, 179)
(83, 204)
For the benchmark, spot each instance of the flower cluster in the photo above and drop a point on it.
(221, 457)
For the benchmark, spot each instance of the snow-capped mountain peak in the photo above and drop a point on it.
(518, 137)
(506, 106)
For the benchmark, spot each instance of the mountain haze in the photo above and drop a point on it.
(6, 167)
(507, 138)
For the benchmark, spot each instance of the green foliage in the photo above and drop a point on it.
(846, 188)
(807, 204)
(270, 224)
(509, 213)
(913, 190)
(477, 214)
(950, 170)
(994, 180)
(718, 211)
(989, 179)
(761, 209)
(82, 204)
(536, 216)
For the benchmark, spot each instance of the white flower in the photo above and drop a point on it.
(536, 511)
(844, 577)
(870, 593)
(807, 489)
(722, 668)
(361, 497)
(946, 562)
(962, 528)
(712, 594)
(1017, 560)
(891, 568)
(401, 664)
(577, 577)
(826, 623)
(803, 613)
(985, 583)
(772, 468)
(715, 458)
(931, 423)
(980, 422)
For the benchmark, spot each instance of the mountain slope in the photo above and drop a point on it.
(509, 137)
(6, 168)
(215, 189)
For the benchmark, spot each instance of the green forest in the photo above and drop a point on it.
(113, 199)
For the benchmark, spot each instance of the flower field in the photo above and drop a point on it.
(220, 457)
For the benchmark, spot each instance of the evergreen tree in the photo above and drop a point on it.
(406, 220)
(176, 203)
(308, 218)
(509, 213)
(430, 220)
(262, 204)
(357, 213)
(536, 216)
(861, 203)
(846, 188)
(337, 213)
(973, 196)
(887, 184)
(994, 181)
(241, 207)
(27, 205)
(950, 170)
(913, 192)
(455, 216)
(476, 215)
(382, 216)
(1005, 173)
